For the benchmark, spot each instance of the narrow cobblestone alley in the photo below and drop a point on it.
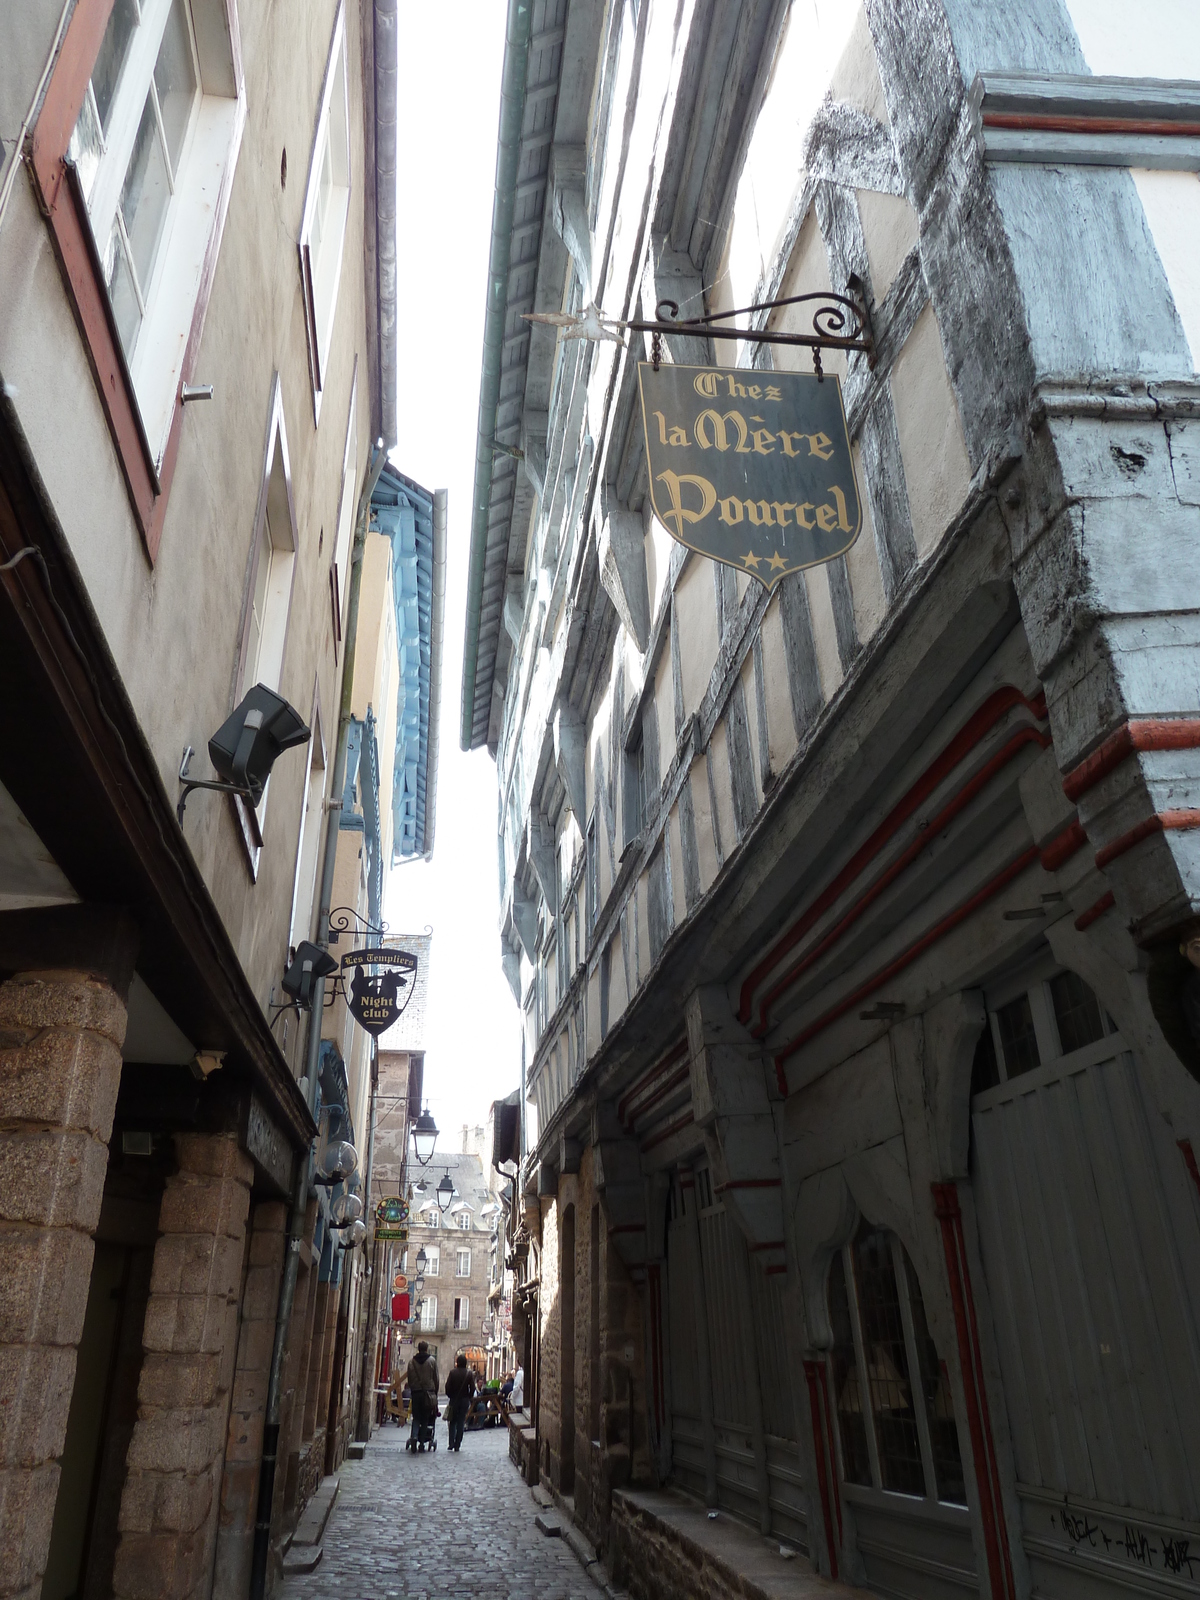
(438, 1526)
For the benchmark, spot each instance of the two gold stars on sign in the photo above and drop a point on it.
(776, 563)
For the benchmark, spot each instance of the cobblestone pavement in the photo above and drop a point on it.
(438, 1526)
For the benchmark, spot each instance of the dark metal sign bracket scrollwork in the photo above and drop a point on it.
(840, 322)
(344, 919)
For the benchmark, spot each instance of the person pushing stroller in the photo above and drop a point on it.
(423, 1382)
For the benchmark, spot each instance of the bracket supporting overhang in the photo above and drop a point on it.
(621, 554)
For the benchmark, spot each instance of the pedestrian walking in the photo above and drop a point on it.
(422, 1379)
(517, 1397)
(460, 1387)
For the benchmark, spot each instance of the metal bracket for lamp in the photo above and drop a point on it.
(203, 783)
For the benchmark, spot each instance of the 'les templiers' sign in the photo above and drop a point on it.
(753, 469)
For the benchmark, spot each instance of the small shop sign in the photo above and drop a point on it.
(751, 468)
(381, 986)
(391, 1219)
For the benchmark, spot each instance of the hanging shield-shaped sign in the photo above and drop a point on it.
(381, 986)
(751, 468)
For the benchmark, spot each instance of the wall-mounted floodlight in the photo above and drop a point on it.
(308, 964)
(246, 745)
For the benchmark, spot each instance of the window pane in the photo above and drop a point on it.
(324, 196)
(943, 1430)
(175, 80)
(258, 606)
(145, 195)
(887, 1364)
(1077, 1012)
(86, 147)
(114, 47)
(985, 1071)
(119, 282)
(1017, 1037)
(847, 1395)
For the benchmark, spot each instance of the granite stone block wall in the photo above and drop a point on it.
(60, 1066)
(168, 1518)
(243, 1442)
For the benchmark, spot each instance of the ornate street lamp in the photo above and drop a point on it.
(445, 1192)
(422, 1261)
(425, 1133)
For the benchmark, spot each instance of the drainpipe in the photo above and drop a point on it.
(291, 1266)
(508, 159)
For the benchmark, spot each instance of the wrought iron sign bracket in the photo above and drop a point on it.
(840, 322)
(344, 919)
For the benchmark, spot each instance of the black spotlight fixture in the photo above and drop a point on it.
(308, 964)
(246, 746)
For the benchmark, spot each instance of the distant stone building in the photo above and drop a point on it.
(452, 1306)
(860, 1197)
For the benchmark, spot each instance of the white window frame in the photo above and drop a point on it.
(308, 842)
(464, 1221)
(321, 267)
(347, 501)
(276, 508)
(168, 333)
(429, 1314)
(1034, 980)
(462, 1313)
(433, 1260)
(459, 1270)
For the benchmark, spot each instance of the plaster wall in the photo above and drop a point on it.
(174, 628)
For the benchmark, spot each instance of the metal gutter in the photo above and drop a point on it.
(436, 631)
(386, 76)
(508, 157)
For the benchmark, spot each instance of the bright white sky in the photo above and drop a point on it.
(450, 65)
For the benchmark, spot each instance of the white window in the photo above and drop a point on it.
(433, 1260)
(429, 1313)
(308, 846)
(326, 206)
(272, 563)
(268, 600)
(462, 1313)
(463, 1270)
(157, 130)
(339, 579)
(464, 1220)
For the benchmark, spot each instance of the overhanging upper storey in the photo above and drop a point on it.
(415, 521)
(533, 75)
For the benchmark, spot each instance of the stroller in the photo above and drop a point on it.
(425, 1410)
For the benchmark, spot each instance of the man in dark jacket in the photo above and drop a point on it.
(422, 1379)
(460, 1386)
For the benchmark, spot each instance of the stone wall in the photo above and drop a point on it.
(243, 1443)
(608, 1370)
(168, 1519)
(60, 1065)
